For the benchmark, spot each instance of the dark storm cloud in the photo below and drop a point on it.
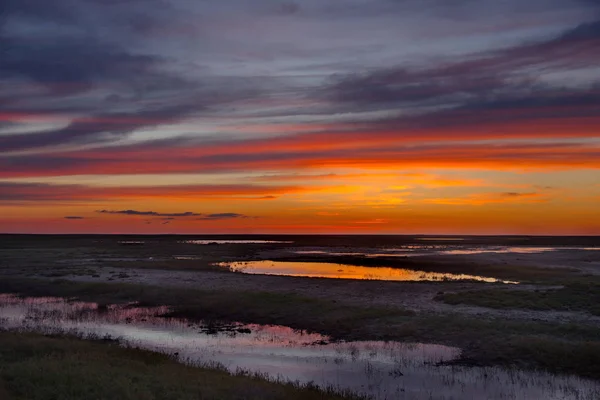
(72, 64)
(76, 58)
(69, 46)
(90, 61)
(82, 13)
(481, 77)
(571, 107)
(487, 88)
(400, 86)
(586, 31)
(289, 7)
(37, 10)
(80, 65)
(150, 213)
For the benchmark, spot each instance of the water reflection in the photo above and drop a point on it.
(345, 271)
(444, 239)
(235, 241)
(439, 249)
(383, 370)
(501, 249)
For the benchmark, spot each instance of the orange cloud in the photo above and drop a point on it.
(490, 198)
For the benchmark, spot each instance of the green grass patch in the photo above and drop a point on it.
(35, 367)
(573, 297)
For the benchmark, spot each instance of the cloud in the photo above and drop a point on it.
(172, 216)
(61, 69)
(149, 213)
(88, 74)
(474, 88)
(288, 8)
(218, 216)
(375, 221)
(479, 199)
(35, 191)
(106, 87)
(73, 217)
(379, 152)
(517, 194)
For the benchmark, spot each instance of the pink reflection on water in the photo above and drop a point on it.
(380, 370)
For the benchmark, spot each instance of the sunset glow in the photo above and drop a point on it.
(321, 117)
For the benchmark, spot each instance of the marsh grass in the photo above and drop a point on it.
(35, 367)
(40, 256)
(558, 348)
(524, 344)
(288, 309)
(572, 297)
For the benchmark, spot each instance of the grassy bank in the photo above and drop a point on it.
(287, 309)
(573, 297)
(526, 344)
(35, 367)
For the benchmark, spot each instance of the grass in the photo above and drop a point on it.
(558, 348)
(543, 352)
(573, 297)
(38, 255)
(35, 367)
(287, 309)
(526, 344)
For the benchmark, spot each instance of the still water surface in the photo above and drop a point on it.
(413, 250)
(345, 271)
(383, 370)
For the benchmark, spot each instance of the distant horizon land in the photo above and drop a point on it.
(427, 235)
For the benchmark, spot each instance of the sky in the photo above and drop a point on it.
(308, 116)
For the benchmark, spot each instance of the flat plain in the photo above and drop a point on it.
(537, 311)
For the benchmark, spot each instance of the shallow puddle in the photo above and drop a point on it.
(235, 241)
(345, 271)
(383, 370)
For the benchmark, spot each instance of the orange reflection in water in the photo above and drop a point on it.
(345, 271)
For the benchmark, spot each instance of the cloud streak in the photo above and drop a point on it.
(149, 213)
(168, 217)
(219, 216)
(295, 104)
(20, 191)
